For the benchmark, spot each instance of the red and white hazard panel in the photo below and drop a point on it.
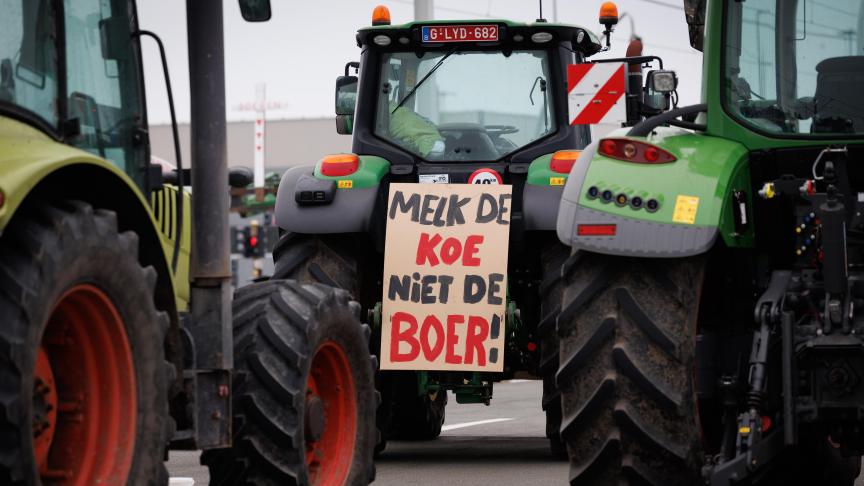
(595, 93)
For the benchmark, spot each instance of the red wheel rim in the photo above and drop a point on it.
(84, 395)
(330, 445)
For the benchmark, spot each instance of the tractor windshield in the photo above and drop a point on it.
(796, 67)
(464, 105)
(28, 59)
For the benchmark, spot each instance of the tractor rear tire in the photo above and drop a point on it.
(83, 376)
(412, 416)
(318, 259)
(552, 258)
(627, 330)
(304, 398)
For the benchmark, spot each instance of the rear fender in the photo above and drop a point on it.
(353, 206)
(695, 196)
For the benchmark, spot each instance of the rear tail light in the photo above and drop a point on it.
(339, 165)
(563, 160)
(596, 230)
(634, 151)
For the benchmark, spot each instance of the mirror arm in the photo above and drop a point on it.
(181, 182)
(352, 64)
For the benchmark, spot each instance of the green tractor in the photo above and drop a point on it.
(710, 327)
(442, 102)
(115, 311)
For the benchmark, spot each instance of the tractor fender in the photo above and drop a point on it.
(35, 167)
(694, 195)
(350, 211)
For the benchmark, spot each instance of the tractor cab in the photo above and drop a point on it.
(462, 91)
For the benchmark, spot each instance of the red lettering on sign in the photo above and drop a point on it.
(426, 249)
(452, 339)
(478, 331)
(471, 243)
(398, 336)
(451, 250)
(431, 323)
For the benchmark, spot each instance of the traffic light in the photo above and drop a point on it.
(253, 246)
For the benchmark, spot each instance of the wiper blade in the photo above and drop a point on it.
(423, 80)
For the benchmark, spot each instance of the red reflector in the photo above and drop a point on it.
(766, 423)
(634, 151)
(531, 347)
(563, 161)
(596, 230)
(339, 165)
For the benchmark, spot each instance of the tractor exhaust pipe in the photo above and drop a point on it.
(210, 273)
(634, 83)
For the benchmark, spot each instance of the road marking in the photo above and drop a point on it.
(471, 424)
(518, 381)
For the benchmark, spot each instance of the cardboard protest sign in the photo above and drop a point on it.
(445, 277)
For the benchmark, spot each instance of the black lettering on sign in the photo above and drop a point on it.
(487, 214)
(399, 203)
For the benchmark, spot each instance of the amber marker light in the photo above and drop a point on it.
(381, 15)
(563, 160)
(339, 165)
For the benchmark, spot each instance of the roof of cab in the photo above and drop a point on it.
(589, 46)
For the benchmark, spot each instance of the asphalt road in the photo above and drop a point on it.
(502, 445)
(511, 450)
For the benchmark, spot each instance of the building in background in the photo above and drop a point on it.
(289, 142)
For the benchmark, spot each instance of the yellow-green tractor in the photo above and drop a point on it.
(115, 297)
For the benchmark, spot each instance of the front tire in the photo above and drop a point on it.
(627, 329)
(304, 396)
(83, 377)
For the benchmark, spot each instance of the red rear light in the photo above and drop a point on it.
(339, 165)
(563, 160)
(596, 230)
(634, 151)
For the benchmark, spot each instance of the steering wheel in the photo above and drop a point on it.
(498, 130)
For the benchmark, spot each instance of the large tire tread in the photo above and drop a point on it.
(45, 248)
(274, 329)
(627, 331)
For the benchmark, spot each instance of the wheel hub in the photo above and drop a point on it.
(315, 421)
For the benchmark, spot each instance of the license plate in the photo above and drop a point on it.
(460, 33)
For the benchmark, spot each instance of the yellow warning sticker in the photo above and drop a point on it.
(557, 181)
(685, 209)
(345, 184)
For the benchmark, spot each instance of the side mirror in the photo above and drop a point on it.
(344, 124)
(255, 10)
(694, 11)
(346, 95)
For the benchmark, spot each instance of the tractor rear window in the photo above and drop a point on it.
(464, 105)
(28, 60)
(796, 67)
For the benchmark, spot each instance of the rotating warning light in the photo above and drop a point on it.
(381, 15)
(339, 165)
(608, 13)
(634, 151)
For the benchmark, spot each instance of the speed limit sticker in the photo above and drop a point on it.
(485, 176)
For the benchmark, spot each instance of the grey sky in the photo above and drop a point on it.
(302, 49)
